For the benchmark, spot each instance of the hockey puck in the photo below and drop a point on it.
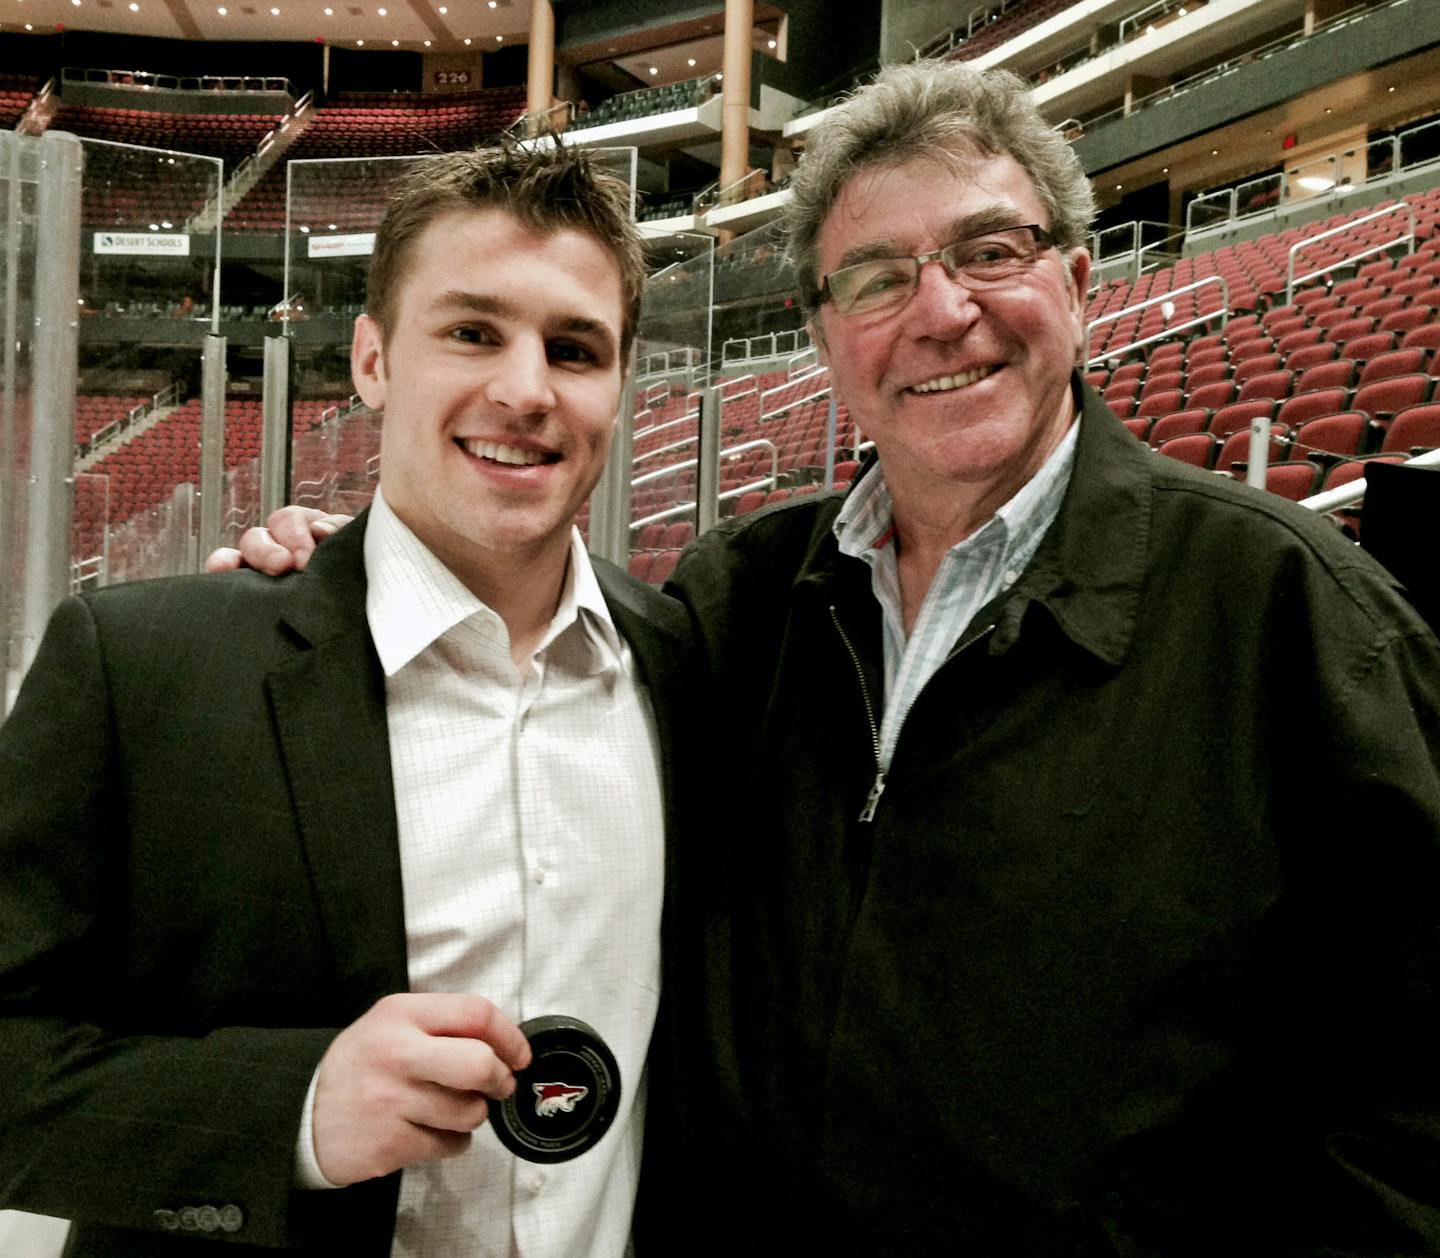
(566, 1099)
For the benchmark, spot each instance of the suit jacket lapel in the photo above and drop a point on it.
(655, 627)
(329, 709)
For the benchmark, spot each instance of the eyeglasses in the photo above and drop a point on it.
(989, 260)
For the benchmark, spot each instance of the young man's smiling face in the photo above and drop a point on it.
(499, 378)
(956, 387)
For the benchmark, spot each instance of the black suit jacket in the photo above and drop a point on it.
(199, 886)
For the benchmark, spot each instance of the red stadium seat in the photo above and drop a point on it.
(1178, 424)
(1307, 406)
(1340, 434)
(1412, 430)
(1308, 355)
(1269, 384)
(1385, 398)
(1236, 449)
(1294, 480)
(1197, 449)
(1240, 415)
(1212, 396)
(1398, 362)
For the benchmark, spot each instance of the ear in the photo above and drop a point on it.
(1077, 266)
(367, 362)
(817, 335)
(1077, 262)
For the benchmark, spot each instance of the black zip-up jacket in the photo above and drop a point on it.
(1139, 953)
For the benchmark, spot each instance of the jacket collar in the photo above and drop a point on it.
(1089, 568)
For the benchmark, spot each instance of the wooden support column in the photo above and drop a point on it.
(540, 76)
(735, 92)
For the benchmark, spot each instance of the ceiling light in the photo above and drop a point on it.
(394, 43)
(332, 227)
(359, 43)
(690, 61)
(494, 4)
(771, 44)
(1164, 170)
(154, 227)
(76, 3)
(274, 12)
(329, 12)
(467, 41)
(1183, 10)
(499, 39)
(427, 43)
(134, 8)
(383, 12)
(1119, 187)
(443, 10)
(1315, 183)
(1391, 88)
(1328, 110)
(654, 71)
(1214, 152)
(223, 11)
(304, 228)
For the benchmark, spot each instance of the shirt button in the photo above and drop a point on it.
(1011, 576)
(539, 875)
(535, 1185)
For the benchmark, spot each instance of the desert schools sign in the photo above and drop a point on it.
(353, 245)
(173, 245)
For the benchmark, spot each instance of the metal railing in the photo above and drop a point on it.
(1406, 238)
(752, 183)
(766, 345)
(1347, 495)
(771, 394)
(1411, 149)
(229, 83)
(168, 396)
(668, 362)
(685, 508)
(1289, 39)
(1170, 330)
(1148, 16)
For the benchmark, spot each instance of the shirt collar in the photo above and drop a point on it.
(412, 599)
(867, 520)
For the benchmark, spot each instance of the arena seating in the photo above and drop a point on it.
(365, 126)
(1008, 20)
(230, 137)
(16, 93)
(1332, 371)
(145, 469)
(646, 102)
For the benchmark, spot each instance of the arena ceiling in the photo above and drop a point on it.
(414, 25)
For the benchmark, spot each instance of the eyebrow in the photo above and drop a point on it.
(482, 303)
(987, 219)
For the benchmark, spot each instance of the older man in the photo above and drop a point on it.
(1080, 892)
(1087, 900)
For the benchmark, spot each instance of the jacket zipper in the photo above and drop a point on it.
(877, 787)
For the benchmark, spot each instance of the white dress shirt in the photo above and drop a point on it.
(532, 856)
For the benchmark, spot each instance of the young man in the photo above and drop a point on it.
(1084, 900)
(237, 1006)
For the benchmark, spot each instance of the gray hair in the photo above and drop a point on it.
(935, 109)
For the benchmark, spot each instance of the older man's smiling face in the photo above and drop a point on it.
(957, 389)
